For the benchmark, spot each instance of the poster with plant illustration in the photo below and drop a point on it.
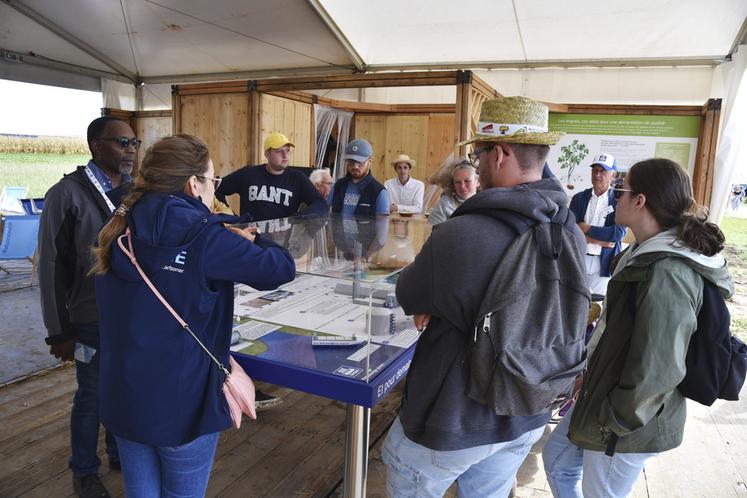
(571, 156)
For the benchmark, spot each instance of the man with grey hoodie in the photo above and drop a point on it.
(443, 434)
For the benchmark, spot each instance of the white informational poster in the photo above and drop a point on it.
(629, 138)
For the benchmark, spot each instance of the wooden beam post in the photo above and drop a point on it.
(705, 159)
(462, 115)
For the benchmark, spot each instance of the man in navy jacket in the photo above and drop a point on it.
(595, 213)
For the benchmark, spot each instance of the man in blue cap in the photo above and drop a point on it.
(358, 193)
(595, 213)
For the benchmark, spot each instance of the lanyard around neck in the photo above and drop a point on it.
(98, 186)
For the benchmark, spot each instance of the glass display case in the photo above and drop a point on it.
(339, 319)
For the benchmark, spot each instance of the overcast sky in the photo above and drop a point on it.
(28, 109)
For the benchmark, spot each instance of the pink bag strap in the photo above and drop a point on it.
(130, 252)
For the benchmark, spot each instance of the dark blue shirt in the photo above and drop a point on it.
(266, 196)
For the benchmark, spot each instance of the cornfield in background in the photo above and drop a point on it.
(42, 145)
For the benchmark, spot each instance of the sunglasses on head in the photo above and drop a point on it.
(125, 142)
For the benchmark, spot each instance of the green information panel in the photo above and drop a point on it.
(619, 125)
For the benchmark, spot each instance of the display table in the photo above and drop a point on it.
(344, 290)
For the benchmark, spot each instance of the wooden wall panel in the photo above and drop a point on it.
(220, 120)
(372, 127)
(393, 134)
(291, 118)
(150, 129)
(440, 140)
(406, 134)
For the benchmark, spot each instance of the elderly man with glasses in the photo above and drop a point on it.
(75, 210)
(594, 209)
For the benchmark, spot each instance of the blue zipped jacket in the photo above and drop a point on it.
(157, 385)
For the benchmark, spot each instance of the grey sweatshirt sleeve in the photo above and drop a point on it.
(415, 283)
(56, 262)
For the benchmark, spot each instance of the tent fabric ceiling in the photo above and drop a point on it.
(538, 30)
(170, 39)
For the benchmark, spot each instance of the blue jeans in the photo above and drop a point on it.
(574, 473)
(167, 471)
(84, 416)
(563, 462)
(482, 471)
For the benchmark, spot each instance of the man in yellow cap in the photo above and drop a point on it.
(405, 192)
(499, 293)
(272, 190)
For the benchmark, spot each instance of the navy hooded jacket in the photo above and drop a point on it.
(158, 386)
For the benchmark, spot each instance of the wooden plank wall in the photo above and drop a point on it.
(291, 118)
(222, 121)
(426, 138)
(149, 129)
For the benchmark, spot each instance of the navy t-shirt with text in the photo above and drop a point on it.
(266, 196)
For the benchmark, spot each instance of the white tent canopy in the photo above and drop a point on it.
(575, 51)
(177, 41)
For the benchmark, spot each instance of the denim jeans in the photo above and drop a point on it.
(482, 471)
(563, 462)
(84, 416)
(574, 473)
(167, 471)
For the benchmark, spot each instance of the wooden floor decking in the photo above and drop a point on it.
(296, 449)
(293, 450)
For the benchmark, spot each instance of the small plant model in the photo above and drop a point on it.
(571, 156)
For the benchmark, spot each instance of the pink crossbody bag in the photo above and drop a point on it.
(238, 388)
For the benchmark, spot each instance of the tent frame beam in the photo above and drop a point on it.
(355, 57)
(70, 38)
(36, 60)
(554, 64)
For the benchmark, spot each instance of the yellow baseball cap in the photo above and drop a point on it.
(275, 140)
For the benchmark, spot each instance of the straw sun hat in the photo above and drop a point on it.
(516, 120)
(404, 158)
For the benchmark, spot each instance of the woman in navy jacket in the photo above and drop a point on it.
(161, 394)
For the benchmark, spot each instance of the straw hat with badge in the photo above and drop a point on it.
(517, 120)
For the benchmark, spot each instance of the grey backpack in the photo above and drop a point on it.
(528, 344)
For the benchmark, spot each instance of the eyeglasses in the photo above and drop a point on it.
(125, 142)
(619, 191)
(216, 181)
(475, 156)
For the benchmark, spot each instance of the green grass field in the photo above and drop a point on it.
(38, 172)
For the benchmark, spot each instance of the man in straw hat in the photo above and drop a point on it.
(448, 429)
(405, 192)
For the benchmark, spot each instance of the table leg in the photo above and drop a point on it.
(357, 423)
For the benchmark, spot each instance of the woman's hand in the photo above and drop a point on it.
(249, 233)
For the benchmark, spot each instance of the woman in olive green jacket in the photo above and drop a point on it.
(629, 408)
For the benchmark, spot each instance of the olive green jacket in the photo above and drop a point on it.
(651, 311)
